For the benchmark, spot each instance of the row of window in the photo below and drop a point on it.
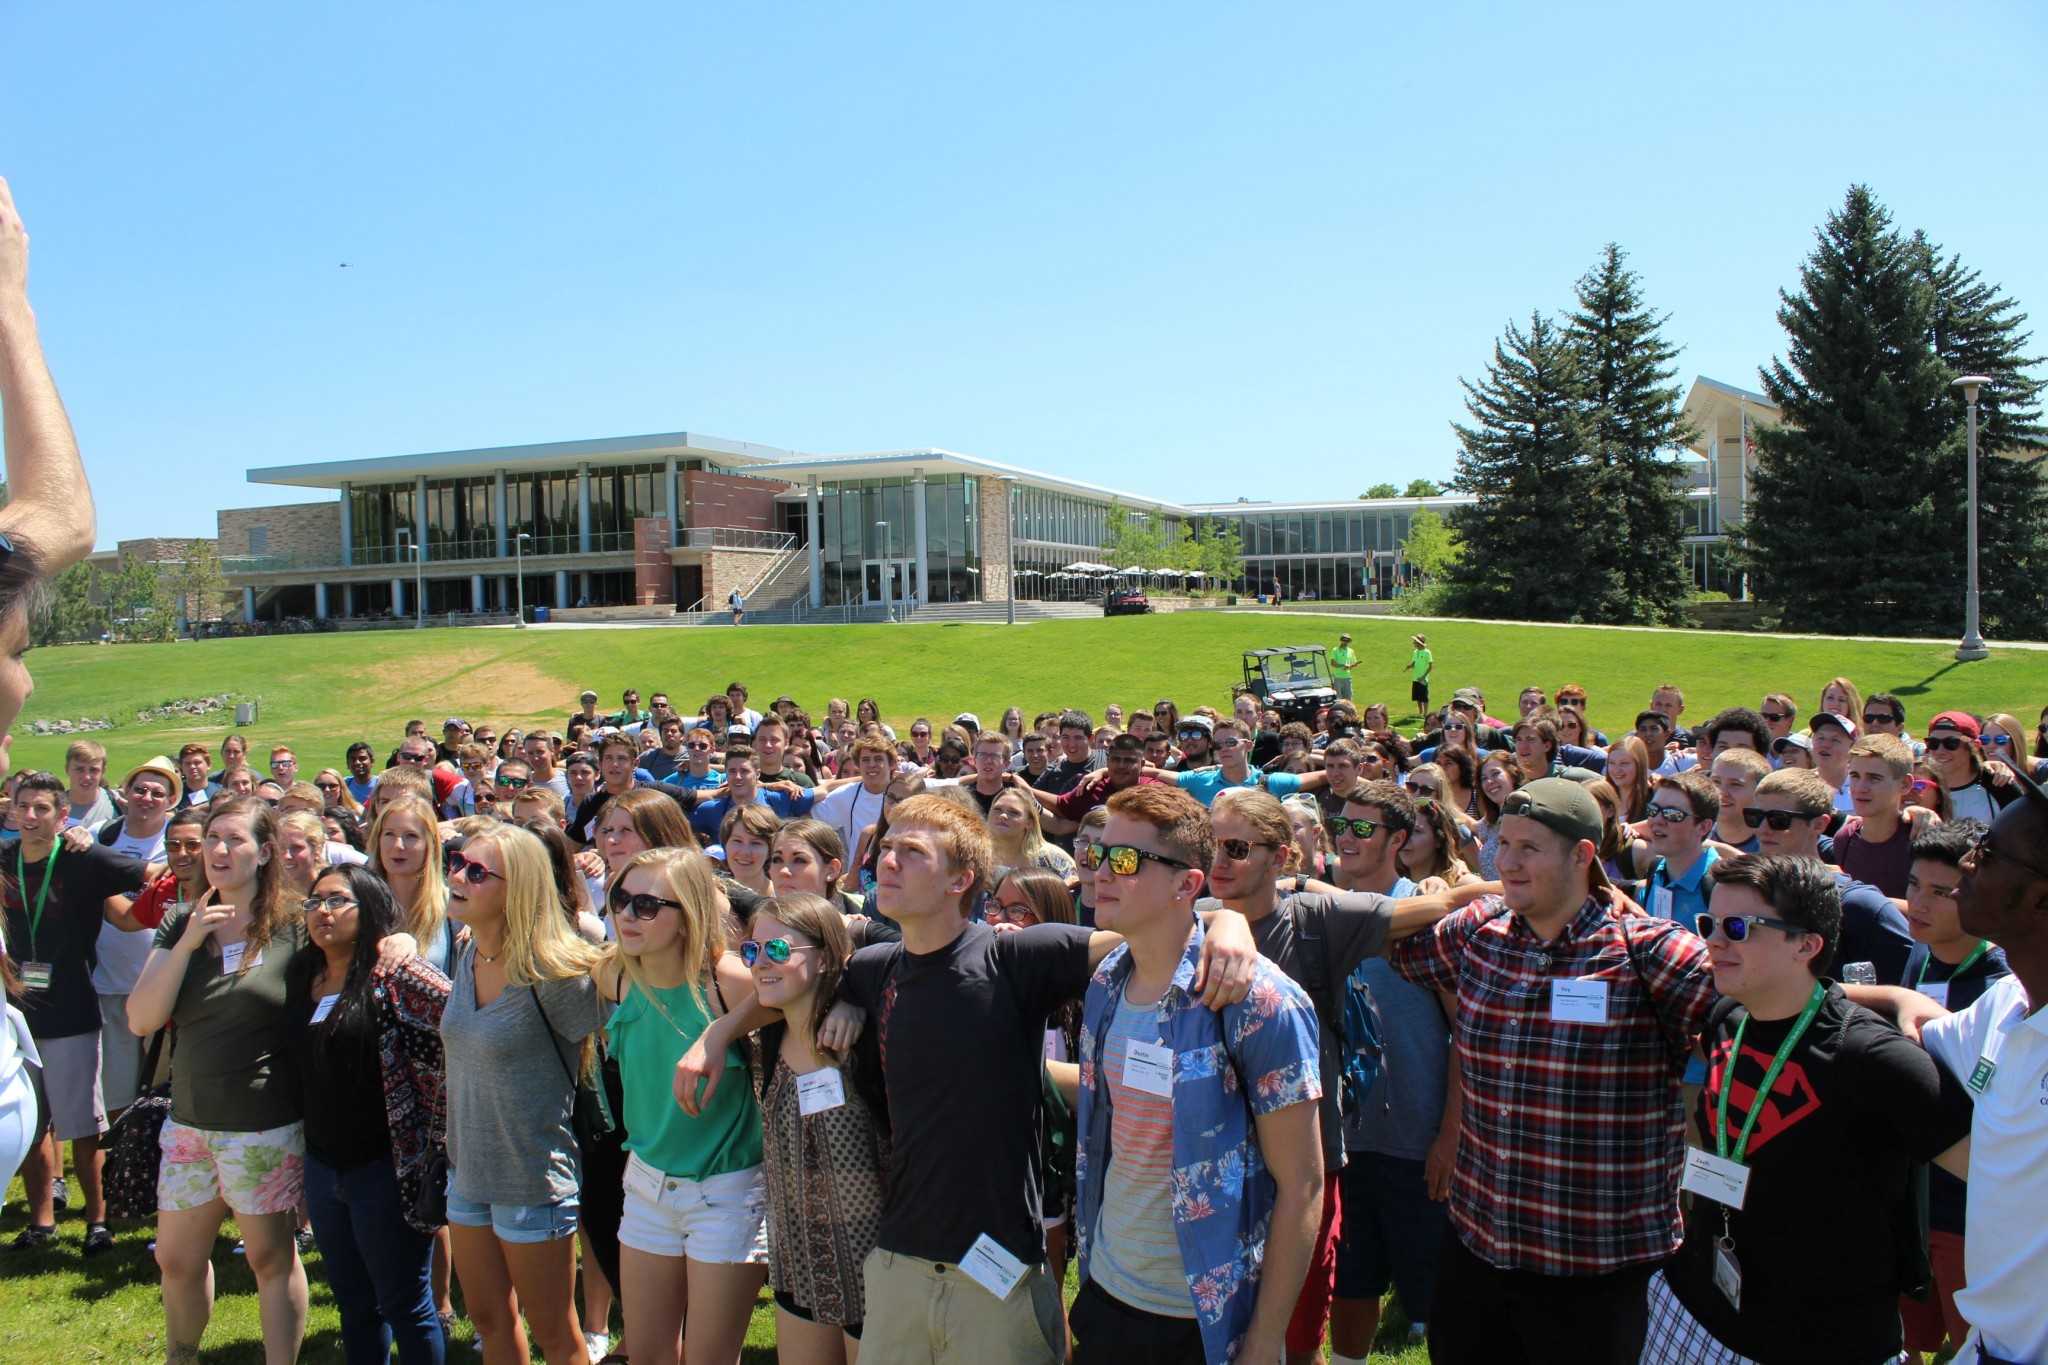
(461, 520)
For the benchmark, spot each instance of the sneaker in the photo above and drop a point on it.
(60, 1195)
(1418, 1332)
(304, 1237)
(599, 1344)
(35, 1237)
(98, 1240)
(241, 1247)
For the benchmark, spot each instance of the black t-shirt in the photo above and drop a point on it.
(68, 936)
(962, 1035)
(341, 1076)
(1062, 777)
(1818, 1237)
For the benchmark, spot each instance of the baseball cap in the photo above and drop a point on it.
(1468, 696)
(968, 719)
(588, 695)
(1654, 718)
(1799, 742)
(1848, 726)
(1202, 723)
(1560, 804)
(1961, 721)
(455, 723)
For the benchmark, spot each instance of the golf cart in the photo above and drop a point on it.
(1291, 679)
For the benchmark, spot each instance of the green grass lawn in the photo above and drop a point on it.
(319, 692)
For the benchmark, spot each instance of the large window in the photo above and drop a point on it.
(619, 495)
(544, 506)
(377, 513)
(875, 520)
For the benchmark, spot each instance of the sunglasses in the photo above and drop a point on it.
(776, 950)
(415, 758)
(2002, 741)
(1735, 928)
(184, 845)
(1422, 789)
(1457, 728)
(1881, 718)
(1779, 820)
(1949, 742)
(334, 904)
(1124, 860)
(475, 873)
(328, 786)
(1238, 850)
(1193, 732)
(1670, 814)
(1363, 829)
(513, 784)
(639, 905)
(1775, 716)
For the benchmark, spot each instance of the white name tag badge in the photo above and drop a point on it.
(35, 976)
(1149, 1067)
(1937, 991)
(1716, 1178)
(1728, 1274)
(231, 958)
(1580, 1001)
(324, 1007)
(1660, 902)
(819, 1091)
(643, 1180)
(991, 1267)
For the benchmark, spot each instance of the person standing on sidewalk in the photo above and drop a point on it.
(1342, 660)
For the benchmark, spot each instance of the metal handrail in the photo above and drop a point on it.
(736, 538)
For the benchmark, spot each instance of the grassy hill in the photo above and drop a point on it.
(320, 692)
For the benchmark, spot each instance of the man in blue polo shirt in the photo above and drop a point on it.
(1683, 809)
(1233, 756)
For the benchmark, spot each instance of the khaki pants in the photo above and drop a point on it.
(929, 1313)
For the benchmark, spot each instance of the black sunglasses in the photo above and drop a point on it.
(1881, 718)
(1949, 742)
(1779, 820)
(1736, 927)
(1775, 716)
(639, 905)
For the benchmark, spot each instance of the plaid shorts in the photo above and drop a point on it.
(1676, 1337)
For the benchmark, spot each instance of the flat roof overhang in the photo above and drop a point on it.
(549, 455)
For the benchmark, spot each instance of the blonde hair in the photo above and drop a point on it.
(1749, 760)
(547, 798)
(540, 943)
(1263, 812)
(1033, 833)
(428, 912)
(700, 924)
(346, 800)
(1855, 711)
(819, 920)
(308, 824)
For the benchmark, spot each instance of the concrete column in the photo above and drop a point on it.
(419, 513)
(249, 605)
(924, 587)
(583, 585)
(811, 528)
(398, 597)
(675, 525)
(562, 598)
(320, 601)
(348, 527)
(476, 592)
(583, 508)
(348, 599)
(498, 514)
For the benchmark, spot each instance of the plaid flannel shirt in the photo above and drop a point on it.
(1573, 1135)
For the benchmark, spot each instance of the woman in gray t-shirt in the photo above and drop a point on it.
(522, 1007)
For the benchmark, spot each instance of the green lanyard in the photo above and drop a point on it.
(1983, 947)
(35, 916)
(1763, 1092)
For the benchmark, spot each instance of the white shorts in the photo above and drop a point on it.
(719, 1221)
(121, 1054)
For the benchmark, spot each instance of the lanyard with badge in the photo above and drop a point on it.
(35, 975)
(1938, 992)
(1721, 1175)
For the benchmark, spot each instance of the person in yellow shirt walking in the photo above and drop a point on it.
(1342, 660)
(1419, 665)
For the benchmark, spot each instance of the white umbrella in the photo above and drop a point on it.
(1130, 571)
(1027, 573)
(1083, 566)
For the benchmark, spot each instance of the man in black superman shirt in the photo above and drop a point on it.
(1793, 1236)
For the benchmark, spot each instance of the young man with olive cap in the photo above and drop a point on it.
(1342, 660)
(1571, 1030)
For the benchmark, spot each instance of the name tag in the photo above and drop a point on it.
(231, 958)
(643, 1180)
(324, 1007)
(819, 1091)
(1728, 1275)
(1980, 1076)
(1937, 991)
(1716, 1178)
(1661, 903)
(1149, 1067)
(35, 976)
(991, 1267)
(1580, 1001)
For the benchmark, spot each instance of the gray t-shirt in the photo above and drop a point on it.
(1353, 925)
(1401, 1112)
(509, 1139)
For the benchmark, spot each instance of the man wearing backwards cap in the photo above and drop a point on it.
(1952, 750)
(1572, 1025)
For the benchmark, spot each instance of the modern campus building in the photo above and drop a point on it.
(681, 519)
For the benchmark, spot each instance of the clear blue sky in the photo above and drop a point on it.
(1195, 250)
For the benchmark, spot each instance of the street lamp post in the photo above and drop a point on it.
(408, 544)
(1972, 647)
(888, 568)
(1010, 545)
(519, 572)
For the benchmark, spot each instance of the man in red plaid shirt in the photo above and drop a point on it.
(1572, 1028)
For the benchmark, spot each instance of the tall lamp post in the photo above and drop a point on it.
(1010, 544)
(408, 544)
(1972, 647)
(888, 567)
(519, 572)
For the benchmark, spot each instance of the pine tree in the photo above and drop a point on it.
(1843, 531)
(1636, 415)
(1524, 460)
(1975, 329)
(73, 615)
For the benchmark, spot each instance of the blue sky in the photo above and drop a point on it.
(1199, 251)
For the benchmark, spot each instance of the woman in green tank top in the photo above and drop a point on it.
(694, 1228)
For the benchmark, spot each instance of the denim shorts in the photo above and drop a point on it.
(516, 1222)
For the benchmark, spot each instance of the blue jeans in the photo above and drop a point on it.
(376, 1264)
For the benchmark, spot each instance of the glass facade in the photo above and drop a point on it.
(544, 506)
(868, 531)
(618, 495)
(378, 512)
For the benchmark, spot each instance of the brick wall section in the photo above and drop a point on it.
(723, 500)
(726, 569)
(995, 540)
(308, 533)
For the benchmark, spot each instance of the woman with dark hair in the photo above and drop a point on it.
(367, 1042)
(869, 856)
(343, 827)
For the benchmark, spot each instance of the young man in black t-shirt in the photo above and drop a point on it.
(55, 901)
(1814, 1114)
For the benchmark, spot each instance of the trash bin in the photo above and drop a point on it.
(245, 713)
(540, 616)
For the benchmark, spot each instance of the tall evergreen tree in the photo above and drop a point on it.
(1975, 329)
(1524, 458)
(1635, 412)
(1843, 532)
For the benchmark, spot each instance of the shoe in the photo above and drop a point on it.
(60, 1195)
(241, 1247)
(34, 1237)
(98, 1240)
(597, 1343)
(304, 1237)
(1418, 1332)
(615, 1358)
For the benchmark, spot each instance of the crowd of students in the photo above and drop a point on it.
(1586, 1049)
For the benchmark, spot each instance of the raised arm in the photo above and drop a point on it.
(50, 504)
